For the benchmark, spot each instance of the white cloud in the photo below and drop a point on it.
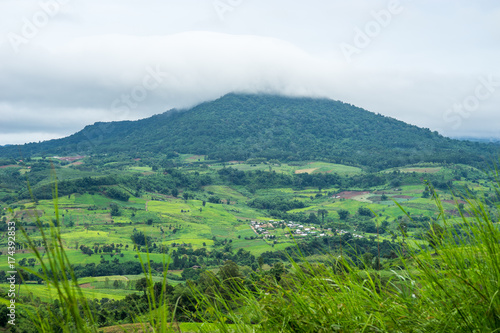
(94, 61)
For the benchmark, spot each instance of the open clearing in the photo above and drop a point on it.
(421, 170)
(306, 170)
(350, 194)
(10, 166)
(362, 198)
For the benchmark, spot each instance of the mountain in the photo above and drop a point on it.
(484, 140)
(243, 126)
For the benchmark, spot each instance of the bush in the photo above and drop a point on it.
(117, 194)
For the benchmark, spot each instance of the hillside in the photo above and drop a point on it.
(239, 127)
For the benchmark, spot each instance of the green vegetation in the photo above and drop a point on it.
(282, 234)
(451, 286)
(257, 238)
(254, 127)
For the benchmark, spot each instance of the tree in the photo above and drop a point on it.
(230, 277)
(117, 194)
(367, 226)
(3, 314)
(363, 211)
(343, 214)
(278, 270)
(86, 250)
(115, 210)
(260, 261)
(323, 213)
(175, 192)
(214, 199)
(158, 287)
(313, 218)
(191, 274)
(139, 238)
(141, 285)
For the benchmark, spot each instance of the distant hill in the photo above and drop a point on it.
(483, 140)
(243, 126)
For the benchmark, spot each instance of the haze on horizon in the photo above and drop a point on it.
(66, 64)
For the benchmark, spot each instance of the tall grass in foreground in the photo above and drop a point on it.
(74, 313)
(461, 282)
(161, 315)
(453, 288)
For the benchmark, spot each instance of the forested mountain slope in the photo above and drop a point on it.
(241, 126)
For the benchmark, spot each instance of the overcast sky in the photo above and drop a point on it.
(65, 64)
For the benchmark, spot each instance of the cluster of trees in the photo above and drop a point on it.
(276, 203)
(187, 258)
(170, 180)
(7, 161)
(44, 190)
(139, 238)
(117, 194)
(265, 179)
(104, 248)
(113, 267)
(86, 250)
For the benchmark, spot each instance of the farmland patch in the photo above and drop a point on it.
(305, 170)
(350, 194)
